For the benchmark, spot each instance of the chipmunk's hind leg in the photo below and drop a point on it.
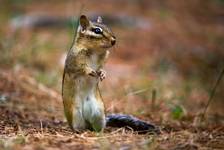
(79, 122)
(98, 124)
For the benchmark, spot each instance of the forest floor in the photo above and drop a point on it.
(32, 118)
(148, 75)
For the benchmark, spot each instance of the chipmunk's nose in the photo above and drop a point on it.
(113, 40)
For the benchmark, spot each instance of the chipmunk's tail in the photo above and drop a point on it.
(120, 120)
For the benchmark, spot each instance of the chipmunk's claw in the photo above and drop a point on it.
(93, 73)
(102, 74)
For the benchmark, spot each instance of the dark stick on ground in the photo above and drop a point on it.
(212, 94)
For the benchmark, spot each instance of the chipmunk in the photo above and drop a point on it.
(83, 104)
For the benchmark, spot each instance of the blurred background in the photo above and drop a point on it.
(168, 55)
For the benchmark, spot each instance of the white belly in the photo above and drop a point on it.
(91, 108)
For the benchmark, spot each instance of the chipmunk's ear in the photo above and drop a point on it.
(99, 20)
(84, 22)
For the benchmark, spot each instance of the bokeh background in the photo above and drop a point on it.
(168, 56)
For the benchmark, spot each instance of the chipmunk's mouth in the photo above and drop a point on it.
(106, 45)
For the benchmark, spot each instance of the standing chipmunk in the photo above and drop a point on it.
(83, 104)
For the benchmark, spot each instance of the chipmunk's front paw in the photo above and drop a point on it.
(102, 74)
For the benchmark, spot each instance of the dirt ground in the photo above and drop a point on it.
(151, 74)
(32, 118)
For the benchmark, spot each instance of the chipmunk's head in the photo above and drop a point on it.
(94, 35)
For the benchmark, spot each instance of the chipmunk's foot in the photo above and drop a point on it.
(102, 74)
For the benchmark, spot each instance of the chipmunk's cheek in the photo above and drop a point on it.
(108, 45)
(105, 44)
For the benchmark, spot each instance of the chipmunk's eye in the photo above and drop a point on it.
(97, 30)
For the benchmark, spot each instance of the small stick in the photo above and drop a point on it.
(41, 127)
(212, 94)
(153, 99)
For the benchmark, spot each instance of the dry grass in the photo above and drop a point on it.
(160, 73)
(33, 119)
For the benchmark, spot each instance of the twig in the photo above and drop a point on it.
(212, 94)
(41, 127)
(137, 92)
(75, 25)
(153, 99)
